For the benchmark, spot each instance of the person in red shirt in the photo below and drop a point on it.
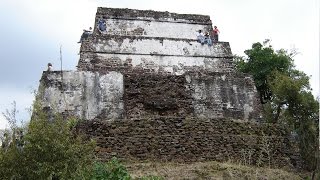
(215, 33)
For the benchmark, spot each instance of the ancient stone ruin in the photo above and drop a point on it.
(146, 89)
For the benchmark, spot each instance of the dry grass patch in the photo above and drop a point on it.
(207, 170)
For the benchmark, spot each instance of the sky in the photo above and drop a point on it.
(33, 30)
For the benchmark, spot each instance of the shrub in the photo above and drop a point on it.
(50, 150)
(110, 170)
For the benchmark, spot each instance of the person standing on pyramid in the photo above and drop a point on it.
(215, 33)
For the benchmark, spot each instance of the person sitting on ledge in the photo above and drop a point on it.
(207, 39)
(49, 67)
(200, 37)
(102, 26)
(85, 34)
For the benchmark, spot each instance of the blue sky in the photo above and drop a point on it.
(33, 30)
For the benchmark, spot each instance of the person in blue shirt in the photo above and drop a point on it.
(102, 26)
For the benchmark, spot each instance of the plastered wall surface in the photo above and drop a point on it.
(83, 94)
(126, 27)
(154, 64)
(156, 46)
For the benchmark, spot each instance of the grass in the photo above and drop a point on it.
(208, 170)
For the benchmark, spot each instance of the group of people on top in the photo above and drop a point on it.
(202, 38)
(206, 39)
(102, 27)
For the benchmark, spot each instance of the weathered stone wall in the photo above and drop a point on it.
(147, 23)
(186, 140)
(136, 27)
(224, 95)
(150, 15)
(114, 95)
(83, 94)
(154, 66)
(155, 46)
(200, 95)
(157, 95)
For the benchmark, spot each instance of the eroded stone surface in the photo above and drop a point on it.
(83, 94)
(188, 140)
(153, 67)
(155, 46)
(150, 91)
(150, 15)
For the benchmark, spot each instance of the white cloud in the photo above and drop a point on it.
(3, 123)
(23, 99)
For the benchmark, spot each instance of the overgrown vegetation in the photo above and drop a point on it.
(285, 94)
(49, 148)
(46, 148)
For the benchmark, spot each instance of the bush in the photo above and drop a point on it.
(114, 170)
(49, 150)
(110, 170)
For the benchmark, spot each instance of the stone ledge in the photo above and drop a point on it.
(150, 15)
(98, 36)
(155, 54)
(157, 46)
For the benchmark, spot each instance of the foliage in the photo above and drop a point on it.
(49, 150)
(285, 93)
(261, 61)
(287, 90)
(110, 170)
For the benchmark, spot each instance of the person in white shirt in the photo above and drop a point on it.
(50, 67)
(200, 37)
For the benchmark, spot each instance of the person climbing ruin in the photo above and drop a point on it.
(49, 67)
(207, 39)
(200, 37)
(85, 34)
(102, 26)
(215, 33)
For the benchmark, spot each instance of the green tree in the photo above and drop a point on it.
(260, 62)
(285, 93)
(286, 88)
(295, 105)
